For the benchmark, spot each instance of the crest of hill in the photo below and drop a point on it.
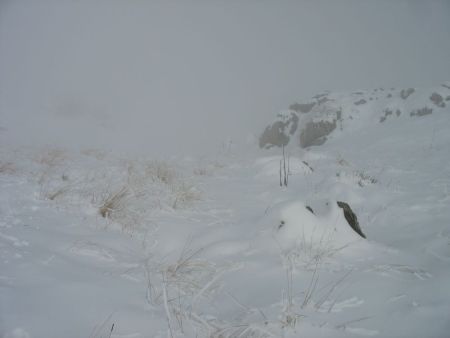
(323, 117)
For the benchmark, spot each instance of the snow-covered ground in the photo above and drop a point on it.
(214, 247)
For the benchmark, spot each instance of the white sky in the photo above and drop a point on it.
(183, 76)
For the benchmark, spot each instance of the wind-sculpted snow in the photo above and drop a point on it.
(95, 244)
(326, 115)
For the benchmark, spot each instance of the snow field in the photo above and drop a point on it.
(216, 248)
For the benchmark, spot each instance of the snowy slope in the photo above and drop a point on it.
(214, 247)
(328, 115)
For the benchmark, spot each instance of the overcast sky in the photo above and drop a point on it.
(184, 76)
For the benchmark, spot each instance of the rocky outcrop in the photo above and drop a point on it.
(302, 107)
(274, 135)
(315, 133)
(279, 133)
(321, 118)
(405, 93)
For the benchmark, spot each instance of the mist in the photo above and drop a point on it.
(183, 77)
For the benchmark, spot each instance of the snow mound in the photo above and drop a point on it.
(294, 224)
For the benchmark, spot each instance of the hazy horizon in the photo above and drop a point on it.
(186, 76)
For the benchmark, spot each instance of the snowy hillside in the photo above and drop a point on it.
(96, 244)
(327, 115)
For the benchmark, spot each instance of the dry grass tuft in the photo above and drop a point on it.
(95, 153)
(58, 192)
(184, 194)
(202, 171)
(7, 168)
(178, 288)
(113, 202)
(52, 157)
(161, 171)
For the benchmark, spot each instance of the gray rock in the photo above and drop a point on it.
(405, 93)
(293, 122)
(302, 107)
(314, 133)
(319, 96)
(310, 209)
(437, 99)
(323, 100)
(387, 112)
(421, 112)
(351, 218)
(274, 135)
(360, 102)
(278, 134)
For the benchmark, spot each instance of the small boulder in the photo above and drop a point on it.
(437, 99)
(310, 209)
(351, 218)
(405, 93)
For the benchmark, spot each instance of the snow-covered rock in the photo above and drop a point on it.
(295, 224)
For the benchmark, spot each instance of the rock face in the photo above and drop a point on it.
(351, 218)
(278, 133)
(302, 107)
(315, 133)
(274, 135)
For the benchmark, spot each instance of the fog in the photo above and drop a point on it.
(183, 77)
